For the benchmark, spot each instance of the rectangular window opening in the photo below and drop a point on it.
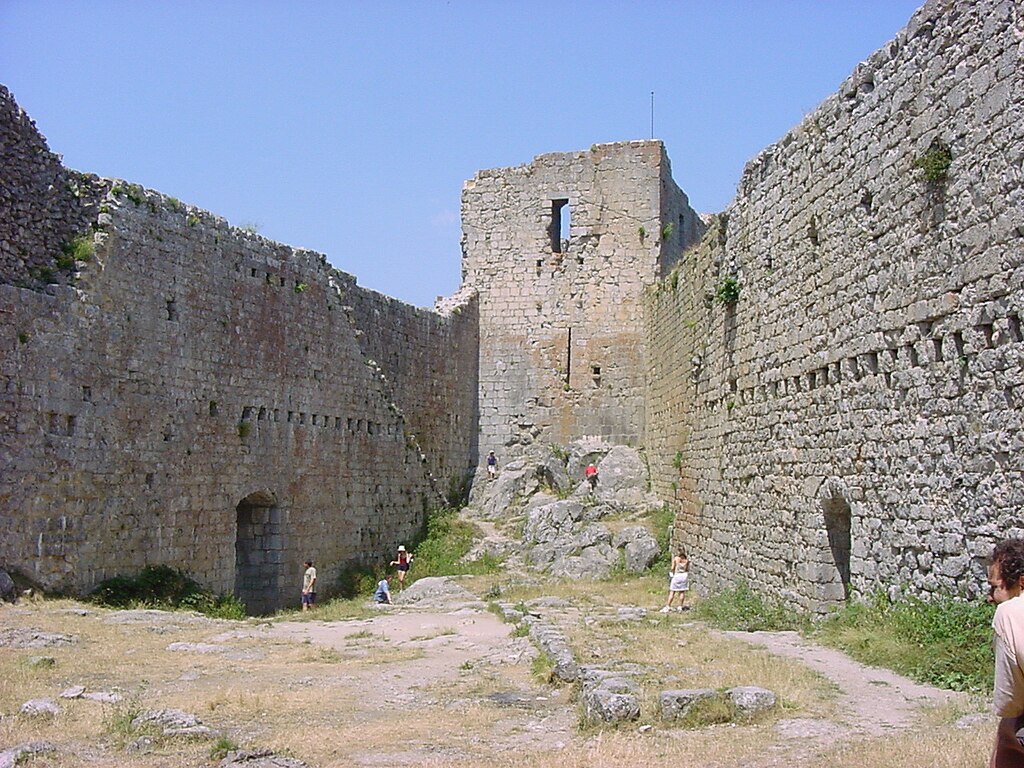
(558, 229)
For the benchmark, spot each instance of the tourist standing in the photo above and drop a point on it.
(309, 586)
(679, 581)
(1006, 578)
(591, 474)
(492, 465)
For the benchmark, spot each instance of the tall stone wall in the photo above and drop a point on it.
(427, 362)
(43, 206)
(854, 420)
(561, 341)
(203, 397)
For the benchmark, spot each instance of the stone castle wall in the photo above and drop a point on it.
(203, 397)
(428, 364)
(561, 341)
(43, 206)
(854, 420)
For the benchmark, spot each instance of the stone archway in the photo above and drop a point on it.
(838, 523)
(259, 552)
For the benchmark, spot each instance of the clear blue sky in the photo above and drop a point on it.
(349, 127)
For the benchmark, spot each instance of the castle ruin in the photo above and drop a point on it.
(827, 382)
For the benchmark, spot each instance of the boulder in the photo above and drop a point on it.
(613, 700)
(550, 472)
(496, 499)
(8, 592)
(750, 700)
(594, 562)
(640, 547)
(40, 708)
(676, 704)
(583, 452)
(168, 720)
(21, 754)
(553, 521)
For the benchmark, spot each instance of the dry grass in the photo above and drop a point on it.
(933, 748)
(369, 694)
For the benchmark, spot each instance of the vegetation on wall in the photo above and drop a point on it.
(935, 162)
(728, 290)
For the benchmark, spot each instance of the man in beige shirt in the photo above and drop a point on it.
(1006, 577)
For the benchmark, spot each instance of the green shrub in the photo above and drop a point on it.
(355, 580)
(161, 586)
(663, 520)
(728, 291)
(934, 163)
(741, 608)
(447, 540)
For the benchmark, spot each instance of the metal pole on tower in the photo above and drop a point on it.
(652, 114)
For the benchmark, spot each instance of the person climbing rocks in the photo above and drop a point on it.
(591, 474)
(403, 561)
(492, 465)
(1006, 580)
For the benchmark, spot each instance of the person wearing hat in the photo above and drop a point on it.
(403, 562)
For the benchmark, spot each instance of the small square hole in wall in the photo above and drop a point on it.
(213, 407)
(595, 370)
(87, 394)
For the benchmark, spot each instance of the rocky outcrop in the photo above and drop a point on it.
(566, 531)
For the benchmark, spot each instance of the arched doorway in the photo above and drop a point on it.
(837, 525)
(259, 552)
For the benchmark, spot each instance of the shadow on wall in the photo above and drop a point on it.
(259, 553)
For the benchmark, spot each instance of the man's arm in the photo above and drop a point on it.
(1008, 691)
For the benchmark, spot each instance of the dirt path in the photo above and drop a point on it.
(876, 701)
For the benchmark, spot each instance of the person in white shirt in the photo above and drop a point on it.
(308, 586)
(1006, 579)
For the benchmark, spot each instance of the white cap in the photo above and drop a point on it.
(401, 547)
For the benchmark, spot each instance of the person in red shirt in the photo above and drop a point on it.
(591, 474)
(403, 561)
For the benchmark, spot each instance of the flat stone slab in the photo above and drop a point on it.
(9, 758)
(676, 704)
(40, 708)
(197, 647)
(34, 638)
(261, 758)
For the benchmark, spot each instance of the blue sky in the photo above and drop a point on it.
(349, 127)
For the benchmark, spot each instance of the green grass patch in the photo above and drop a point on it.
(946, 642)
(543, 668)
(448, 539)
(741, 608)
(160, 586)
(220, 748)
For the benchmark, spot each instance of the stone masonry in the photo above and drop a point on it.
(827, 377)
(199, 396)
(854, 420)
(562, 349)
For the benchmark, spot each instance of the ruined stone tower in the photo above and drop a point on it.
(559, 252)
